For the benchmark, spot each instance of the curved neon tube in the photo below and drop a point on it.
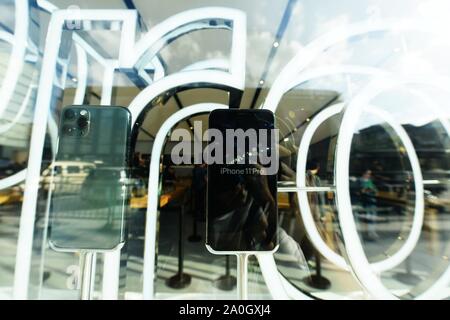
(189, 21)
(17, 56)
(310, 225)
(303, 201)
(13, 180)
(28, 211)
(82, 74)
(217, 78)
(399, 256)
(355, 251)
(308, 53)
(126, 59)
(153, 189)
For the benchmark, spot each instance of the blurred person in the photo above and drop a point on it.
(323, 215)
(316, 199)
(369, 202)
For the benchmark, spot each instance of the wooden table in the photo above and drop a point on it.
(180, 188)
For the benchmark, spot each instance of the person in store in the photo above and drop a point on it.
(369, 202)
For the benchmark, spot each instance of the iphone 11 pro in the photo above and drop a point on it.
(89, 179)
(242, 182)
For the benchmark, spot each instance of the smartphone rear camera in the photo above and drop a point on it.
(69, 130)
(69, 114)
(82, 122)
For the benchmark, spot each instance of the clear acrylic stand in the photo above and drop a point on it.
(87, 259)
(242, 275)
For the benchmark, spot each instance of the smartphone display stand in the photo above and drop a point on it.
(242, 275)
(87, 274)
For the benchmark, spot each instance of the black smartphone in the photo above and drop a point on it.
(242, 163)
(88, 180)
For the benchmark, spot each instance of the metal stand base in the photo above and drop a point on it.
(179, 281)
(317, 282)
(225, 283)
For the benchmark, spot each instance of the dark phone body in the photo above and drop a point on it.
(241, 208)
(89, 177)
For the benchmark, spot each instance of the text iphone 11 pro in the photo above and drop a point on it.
(242, 182)
(89, 177)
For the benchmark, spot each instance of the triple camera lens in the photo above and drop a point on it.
(76, 123)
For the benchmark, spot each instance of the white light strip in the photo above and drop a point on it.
(307, 216)
(111, 274)
(46, 5)
(19, 176)
(271, 276)
(211, 77)
(27, 217)
(272, 102)
(308, 53)
(17, 56)
(185, 22)
(13, 180)
(44, 97)
(419, 204)
(158, 68)
(111, 260)
(311, 51)
(235, 79)
(305, 189)
(284, 84)
(50, 8)
(7, 37)
(82, 75)
(398, 257)
(128, 17)
(210, 64)
(108, 83)
(276, 92)
(355, 251)
(305, 210)
(153, 189)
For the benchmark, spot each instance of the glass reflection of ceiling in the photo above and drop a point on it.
(309, 20)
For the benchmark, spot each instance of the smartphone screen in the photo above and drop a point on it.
(242, 181)
(88, 180)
